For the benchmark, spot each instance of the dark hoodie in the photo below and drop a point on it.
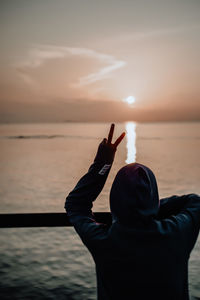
(144, 253)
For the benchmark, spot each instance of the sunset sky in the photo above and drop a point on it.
(79, 59)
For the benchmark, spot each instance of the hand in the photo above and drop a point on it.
(106, 150)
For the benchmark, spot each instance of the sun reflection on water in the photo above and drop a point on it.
(131, 142)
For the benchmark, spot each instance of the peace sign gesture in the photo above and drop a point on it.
(106, 150)
(110, 136)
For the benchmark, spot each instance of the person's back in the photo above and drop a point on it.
(144, 253)
(141, 263)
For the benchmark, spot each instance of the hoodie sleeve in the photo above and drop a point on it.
(185, 213)
(78, 203)
(173, 205)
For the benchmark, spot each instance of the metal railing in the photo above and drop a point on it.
(45, 219)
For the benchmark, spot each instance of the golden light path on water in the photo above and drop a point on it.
(131, 142)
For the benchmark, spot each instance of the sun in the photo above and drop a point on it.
(129, 100)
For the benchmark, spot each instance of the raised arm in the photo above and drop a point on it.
(79, 201)
(173, 205)
(184, 212)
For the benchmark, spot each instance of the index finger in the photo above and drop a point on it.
(110, 135)
(120, 138)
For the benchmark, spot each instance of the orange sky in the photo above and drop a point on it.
(69, 60)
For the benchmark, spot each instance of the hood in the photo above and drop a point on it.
(134, 194)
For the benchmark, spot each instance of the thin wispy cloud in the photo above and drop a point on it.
(153, 33)
(163, 32)
(39, 54)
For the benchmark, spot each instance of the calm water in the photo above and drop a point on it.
(41, 163)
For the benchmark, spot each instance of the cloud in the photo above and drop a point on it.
(121, 39)
(136, 36)
(41, 53)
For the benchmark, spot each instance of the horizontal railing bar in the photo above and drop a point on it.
(45, 219)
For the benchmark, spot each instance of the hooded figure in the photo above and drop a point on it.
(134, 194)
(144, 253)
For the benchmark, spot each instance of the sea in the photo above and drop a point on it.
(41, 163)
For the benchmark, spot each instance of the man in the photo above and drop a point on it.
(144, 253)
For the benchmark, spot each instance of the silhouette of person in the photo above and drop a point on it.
(144, 253)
